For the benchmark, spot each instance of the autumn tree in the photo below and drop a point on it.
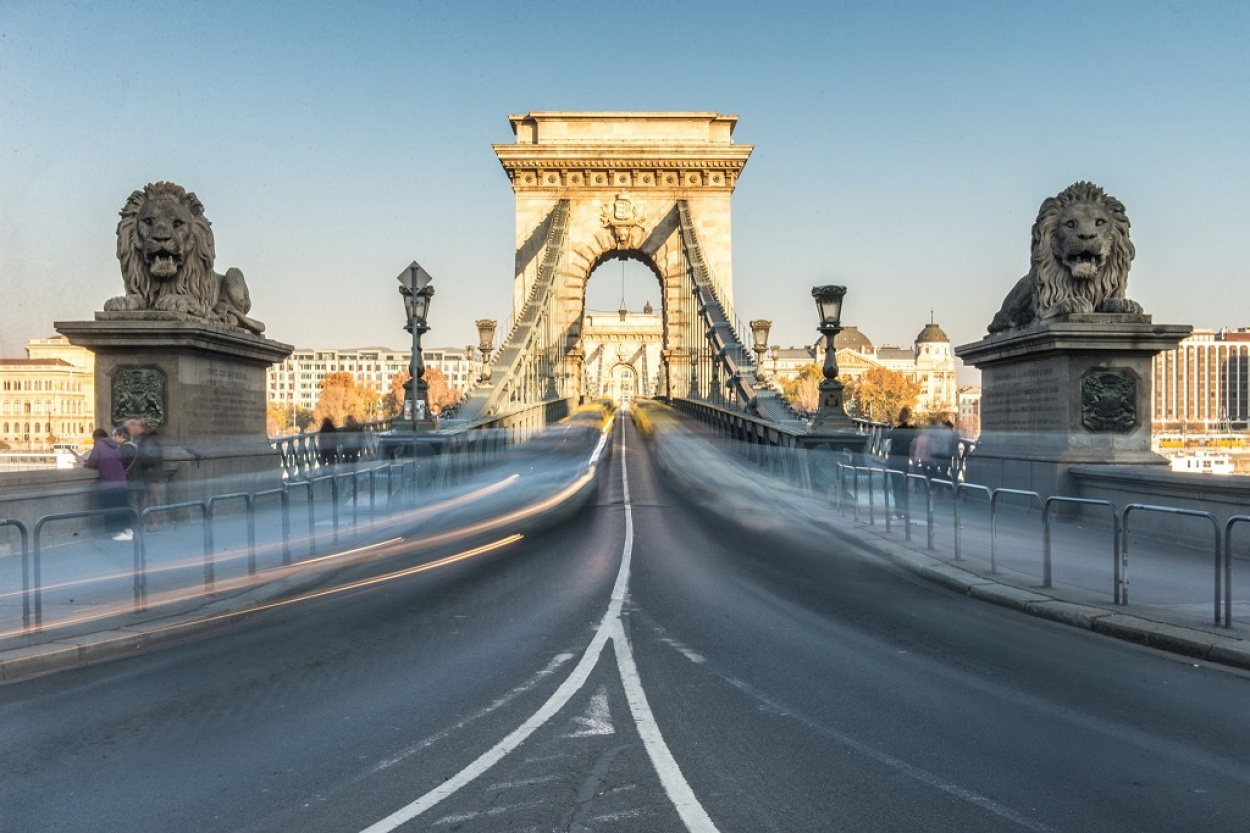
(340, 398)
(440, 394)
(393, 401)
(881, 393)
(803, 390)
(277, 418)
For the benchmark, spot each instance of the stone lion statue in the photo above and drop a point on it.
(165, 245)
(1081, 257)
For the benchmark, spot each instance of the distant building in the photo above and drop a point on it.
(296, 381)
(968, 418)
(623, 354)
(48, 396)
(1203, 386)
(929, 360)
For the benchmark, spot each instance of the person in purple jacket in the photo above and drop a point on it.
(106, 458)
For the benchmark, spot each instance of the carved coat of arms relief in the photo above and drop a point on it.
(621, 215)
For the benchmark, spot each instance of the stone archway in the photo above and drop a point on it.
(623, 176)
(624, 384)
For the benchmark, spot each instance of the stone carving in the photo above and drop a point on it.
(1081, 257)
(165, 245)
(1109, 400)
(138, 392)
(622, 217)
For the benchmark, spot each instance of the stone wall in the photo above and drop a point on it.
(27, 496)
(1222, 496)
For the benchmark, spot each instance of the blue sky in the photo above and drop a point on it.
(900, 148)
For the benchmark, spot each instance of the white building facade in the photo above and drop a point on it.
(296, 381)
(47, 397)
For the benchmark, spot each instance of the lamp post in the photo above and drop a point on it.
(416, 289)
(486, 343)
(775, 353)
(831, 413)
(759, 333)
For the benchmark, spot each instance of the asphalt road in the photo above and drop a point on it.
(642, 667)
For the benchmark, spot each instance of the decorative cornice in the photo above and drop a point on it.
(635, 163)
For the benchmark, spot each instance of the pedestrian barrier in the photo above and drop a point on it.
(994, 496)
(144, 528)
(32, 582)
(25, 536)
(283, 493)
(247, 499)
(951, 485)
(1061, 500)
(1170, 510)
(912, 478)
(1228, 565)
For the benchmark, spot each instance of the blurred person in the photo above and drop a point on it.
(327, 443)
(147, 473)
(106, 458)
(901, 437)
(352, 441)
(941, 450)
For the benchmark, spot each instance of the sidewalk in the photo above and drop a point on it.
(1171, 598)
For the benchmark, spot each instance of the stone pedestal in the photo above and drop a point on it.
(201, 386)
(1069, 390)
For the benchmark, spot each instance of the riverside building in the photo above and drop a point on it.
(47, 398)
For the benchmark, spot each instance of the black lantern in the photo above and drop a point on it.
(831, 413)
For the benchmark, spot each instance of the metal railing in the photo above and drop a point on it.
(1170, 510)
(848, 480)
(399, 481)
(1062, 500)
(853, 489)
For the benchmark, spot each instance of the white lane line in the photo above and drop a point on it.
(679, 792)
(552, 667)
(514, 739)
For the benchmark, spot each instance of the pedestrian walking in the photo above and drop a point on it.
(900, 438)
(106, 458)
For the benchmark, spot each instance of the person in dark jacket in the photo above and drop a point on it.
(148, 472)
(327, 443)
(106, 458)
(901, 437)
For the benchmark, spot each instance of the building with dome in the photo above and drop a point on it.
(930, 360)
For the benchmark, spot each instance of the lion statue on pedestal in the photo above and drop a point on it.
(1081, 257)
(165, 245)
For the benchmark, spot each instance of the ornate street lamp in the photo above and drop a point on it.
(417, 291)
(832, 413)
(486, 343)
(759, 332)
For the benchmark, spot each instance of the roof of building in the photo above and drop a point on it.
(896, 353)
(852, 339)
(932, 332)
(34, 363)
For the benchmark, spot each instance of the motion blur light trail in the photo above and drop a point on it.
(554, 478)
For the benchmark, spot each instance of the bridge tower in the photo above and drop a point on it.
(647, 186)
